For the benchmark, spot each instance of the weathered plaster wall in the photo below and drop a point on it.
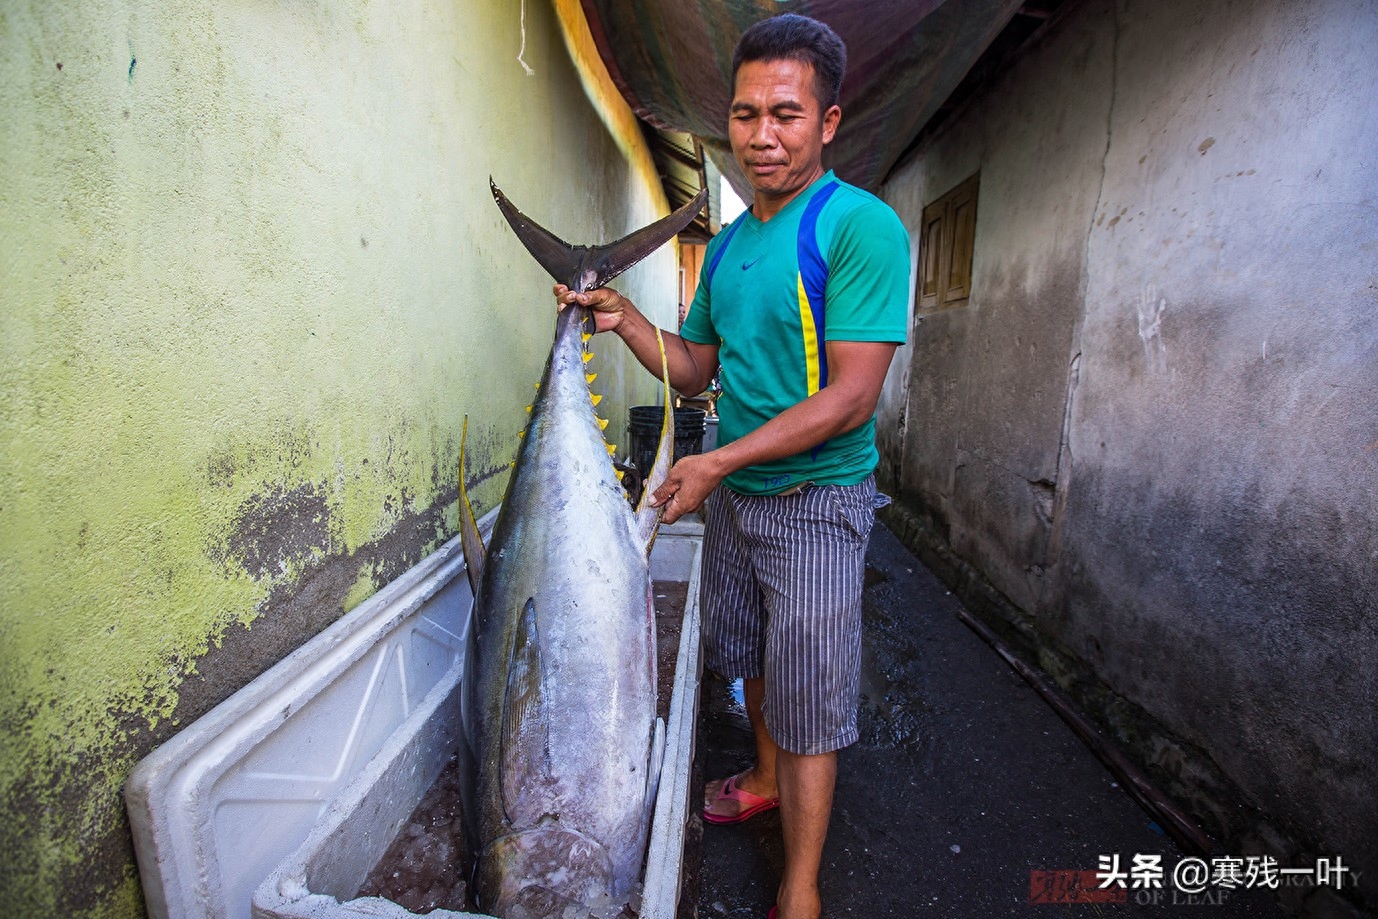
(1152, 431)
(251, 281)
(986, 384)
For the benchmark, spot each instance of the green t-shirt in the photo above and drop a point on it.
(832, 265)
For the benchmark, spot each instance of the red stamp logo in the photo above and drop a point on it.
(1071, 886)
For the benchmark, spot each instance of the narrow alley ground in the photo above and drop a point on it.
(963, 784)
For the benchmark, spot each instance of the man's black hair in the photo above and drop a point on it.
(790, 36)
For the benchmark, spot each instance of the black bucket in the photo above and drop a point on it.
(645, 431)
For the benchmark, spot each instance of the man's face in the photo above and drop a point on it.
(778, 129)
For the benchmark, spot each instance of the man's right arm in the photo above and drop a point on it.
(691, 364)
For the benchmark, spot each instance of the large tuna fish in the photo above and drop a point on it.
(567, 745)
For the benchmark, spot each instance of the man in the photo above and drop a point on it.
(802, 300)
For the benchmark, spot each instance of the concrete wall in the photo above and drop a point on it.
(1151, 433)
(251, 281)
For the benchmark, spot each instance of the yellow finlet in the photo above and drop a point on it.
(586, 336)
(528, 410)
(620, 474)
(590, 377)
(602, 423)
(588, 356)
(612, 449)
(596, 397)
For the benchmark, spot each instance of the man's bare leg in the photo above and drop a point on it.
(804, 785)
(806, 801)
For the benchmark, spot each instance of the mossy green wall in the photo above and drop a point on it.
(251, 281)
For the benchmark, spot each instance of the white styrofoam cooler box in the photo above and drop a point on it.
(218, 806)
(278, 802)
(676, 556)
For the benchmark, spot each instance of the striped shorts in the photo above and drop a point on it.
(781, 598)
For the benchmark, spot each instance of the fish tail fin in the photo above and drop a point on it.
(469, 538)
(648, 517)
(586, 267)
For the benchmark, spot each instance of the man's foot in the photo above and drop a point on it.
(726, 801)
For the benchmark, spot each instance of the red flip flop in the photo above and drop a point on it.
(754, 804)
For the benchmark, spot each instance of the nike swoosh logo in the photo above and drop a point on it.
(748, 264)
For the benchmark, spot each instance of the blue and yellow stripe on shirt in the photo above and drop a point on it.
(813, 283)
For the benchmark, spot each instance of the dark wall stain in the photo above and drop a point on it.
(105, 863)
(279, 528)
(296, 611)
(988, 393)
(484, 475)
(1245, 626)
(279, 445)
(221, 467)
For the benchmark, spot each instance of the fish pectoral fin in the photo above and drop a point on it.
(648, 517)
(524, 759)
(470, 540)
